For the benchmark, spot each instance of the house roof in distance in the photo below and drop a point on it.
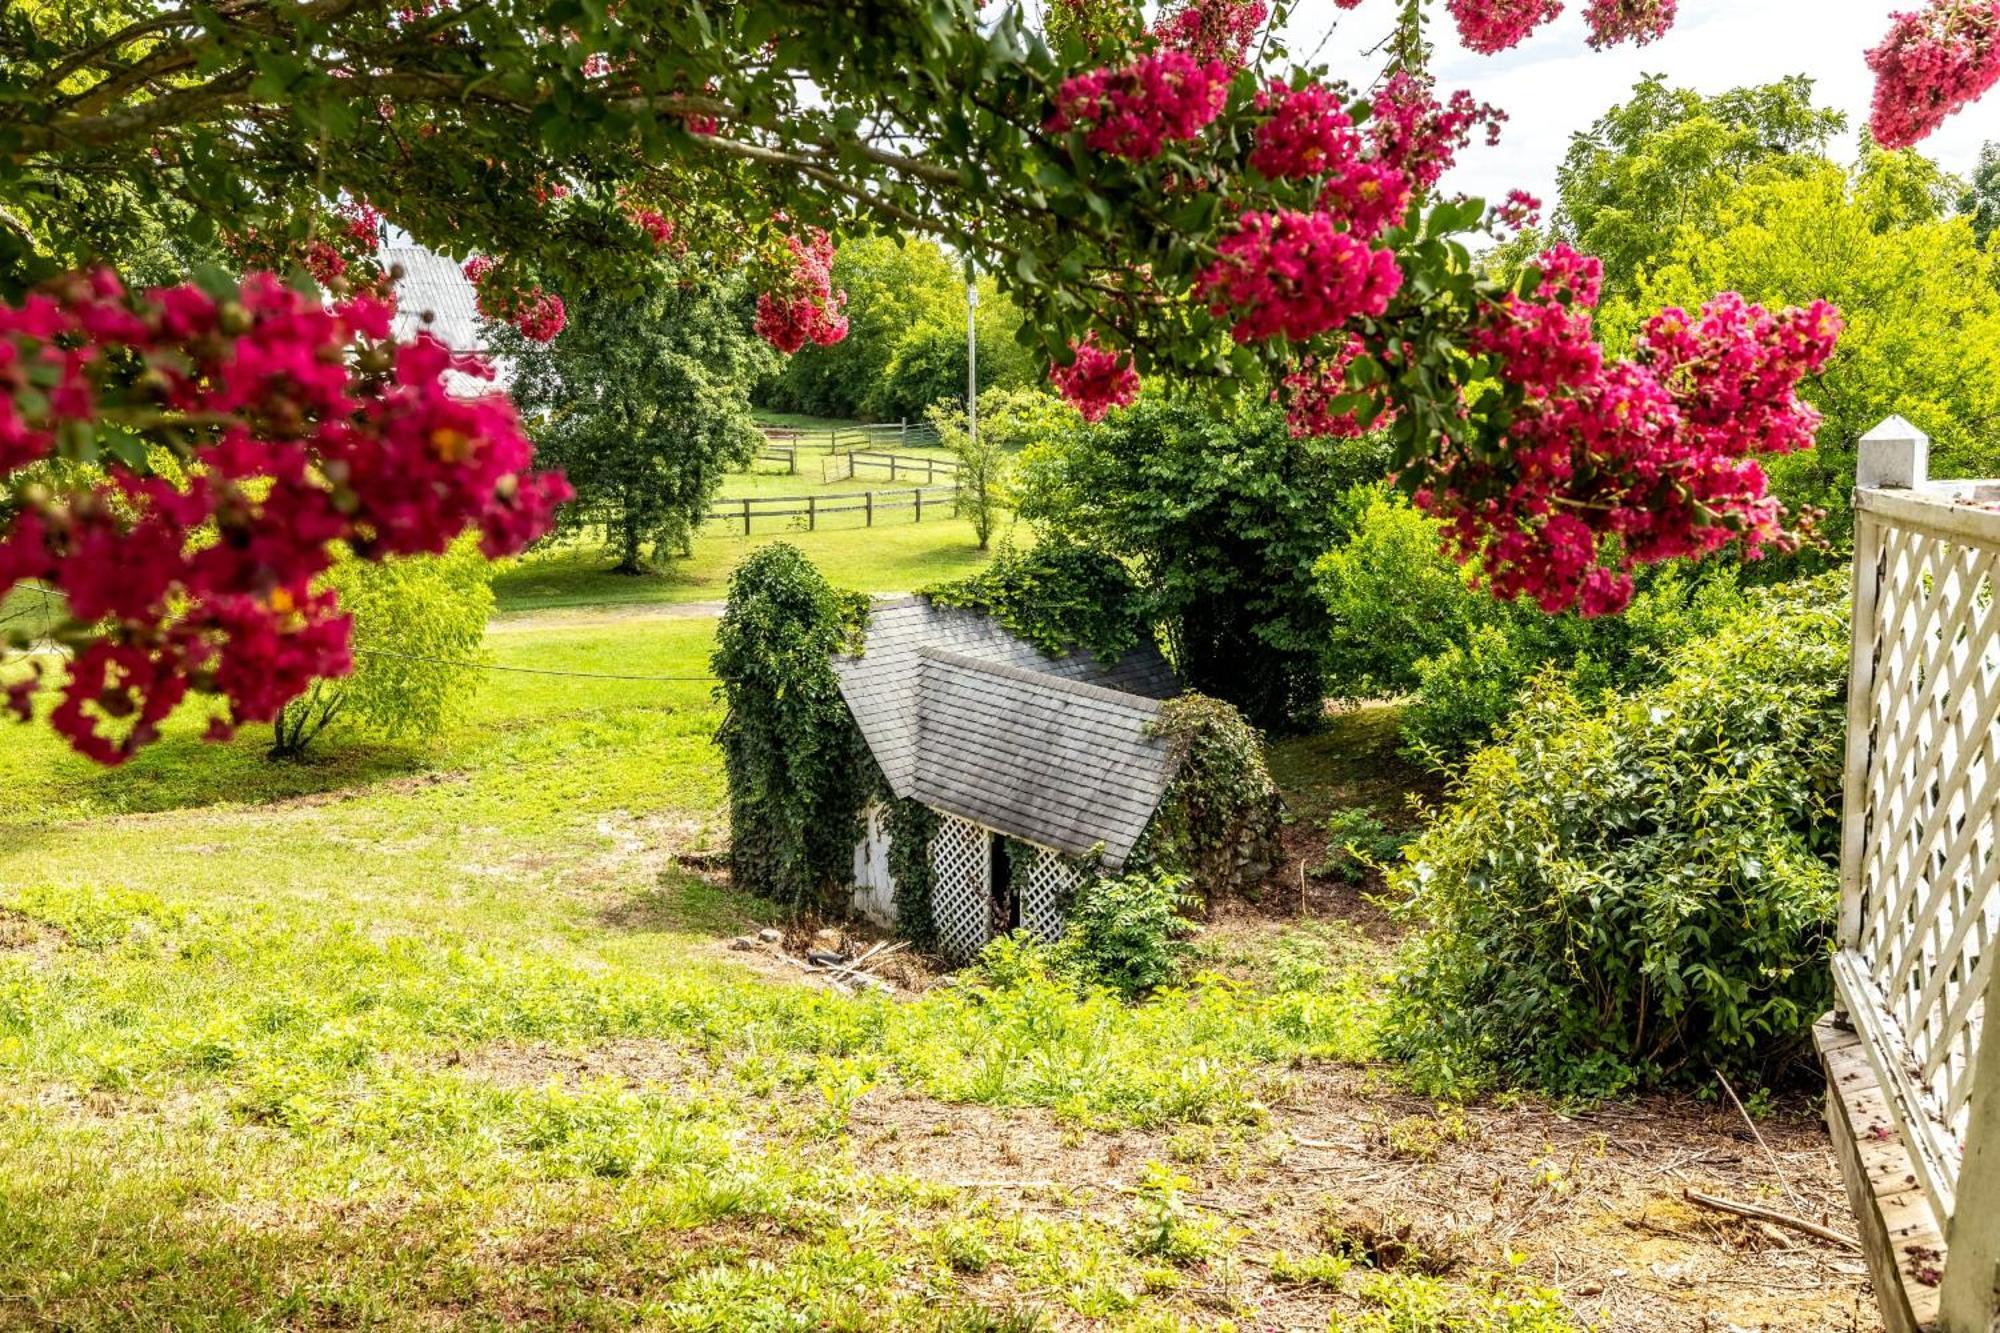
(890, 690)
(1052, 761)
(434, 295)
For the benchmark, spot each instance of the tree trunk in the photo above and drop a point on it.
(629, 539)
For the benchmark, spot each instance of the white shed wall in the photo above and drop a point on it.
(874, 888)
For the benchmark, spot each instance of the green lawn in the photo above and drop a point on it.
(411, 1037)
(401, 1036)
(897, 556)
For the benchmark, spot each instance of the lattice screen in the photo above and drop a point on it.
(1050, 882)
(962, 897)
(1929, 906)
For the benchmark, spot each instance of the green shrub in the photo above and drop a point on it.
(1218, 821)
(1394, 598)
(419, 622)
(1356, 843)
(1405, 621)
(798, 772)
(1127, 933)
(1463, 694)
(1059, 596)
(1625, 891)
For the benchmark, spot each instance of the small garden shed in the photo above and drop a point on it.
(953, 770)
(1035, 770)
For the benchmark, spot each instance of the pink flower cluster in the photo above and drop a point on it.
(304, 426)
(802, 306)
(1309, 133)
(1312, 391)
(1613, 464)
(1297, 275)
(1135, 111)
(1488, 26)
(1518, 211)
(658, 227)
(1933, 63)
(1419, 135)
(1635, 21)
(539, 315)
(1097, 380)
(1213, 31)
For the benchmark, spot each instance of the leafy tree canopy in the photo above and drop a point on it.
(643, 402)
(905, 344)
(1669, 157)
(1221, 518)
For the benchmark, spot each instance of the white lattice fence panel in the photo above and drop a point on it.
(1921, 946)
(962, 894)
(1050, 883)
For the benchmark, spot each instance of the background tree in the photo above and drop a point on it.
(1221, 516)
(418, 625)
(1981, 199)
(644, 403)
(1010, 421)
(1922, 302)
(1667, 158)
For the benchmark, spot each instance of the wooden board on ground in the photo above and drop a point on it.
(1899, 1235)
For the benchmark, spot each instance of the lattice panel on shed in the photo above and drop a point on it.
(1930, 907)
(962, 894)
(1051, 882)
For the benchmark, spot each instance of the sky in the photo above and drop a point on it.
(1553, 85)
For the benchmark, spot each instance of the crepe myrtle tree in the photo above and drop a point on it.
(1180, 200)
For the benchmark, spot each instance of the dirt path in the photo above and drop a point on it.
(599, 615)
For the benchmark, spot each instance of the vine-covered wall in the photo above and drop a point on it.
(1219, 821)
(911, 826)
(799, 772)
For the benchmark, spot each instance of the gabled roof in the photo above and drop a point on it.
(880, 684)
(1055, 762)
(433, 284)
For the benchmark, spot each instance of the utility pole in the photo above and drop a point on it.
(971, 357)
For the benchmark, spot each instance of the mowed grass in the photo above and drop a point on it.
(896, 555)
(410, 1037)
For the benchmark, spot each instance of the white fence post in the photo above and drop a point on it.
(1969, 1298)
(1895, 455)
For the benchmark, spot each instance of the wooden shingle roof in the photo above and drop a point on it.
(880, 683)
(966, 717)
(1055, 762)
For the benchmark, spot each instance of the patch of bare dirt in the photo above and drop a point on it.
(22, 935)
(1591, 1204)
(631, 1062)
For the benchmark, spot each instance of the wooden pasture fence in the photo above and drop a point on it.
(938, 500)
(1913, 1068)
(860, 435)
(842, 467)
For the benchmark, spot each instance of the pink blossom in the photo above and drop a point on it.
(1218, 31)
(1135, 111)
(802, 306)
(1636, 21)
(1933, 63)
(1488, 26)
(1097, 380)
(1421, 136)
(297, 437)
(1296, 275)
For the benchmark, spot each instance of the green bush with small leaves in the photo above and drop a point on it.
(1128, 933)
(1628, 891)
(1356, 843)
(798, 772)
